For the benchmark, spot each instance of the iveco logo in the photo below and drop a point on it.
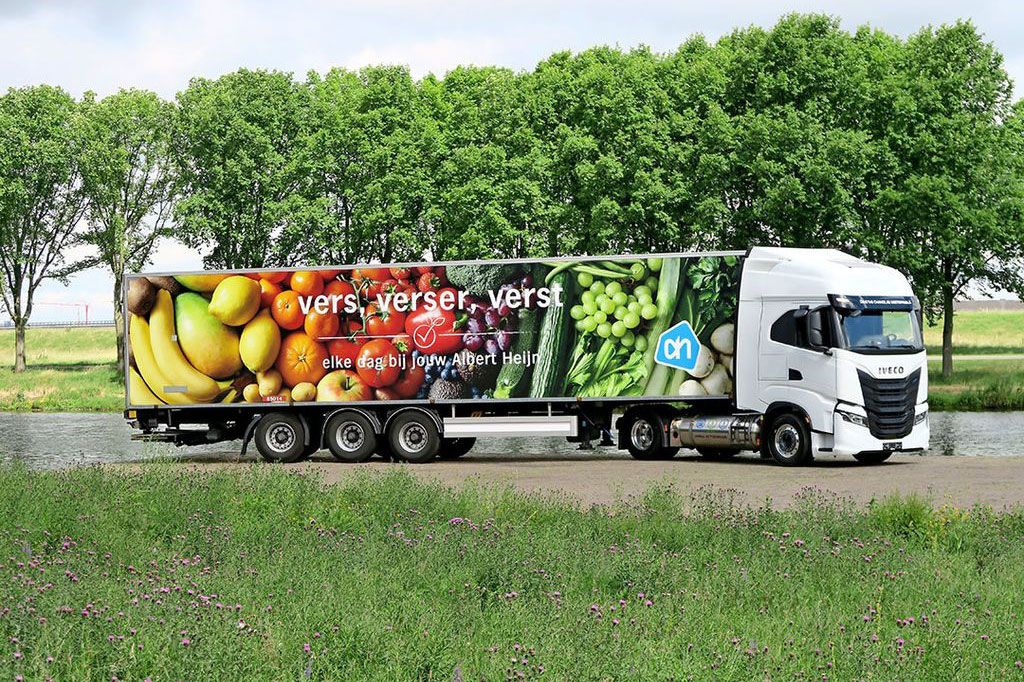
(890, 370)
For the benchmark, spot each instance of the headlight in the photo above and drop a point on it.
(920, 418)
(853, 418)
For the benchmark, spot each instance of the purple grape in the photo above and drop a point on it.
(526, 281)
(492, 318)
(504, 310)
(476, 310)
(491, 347)
(504, 340)
(473, 341)
(475, 325)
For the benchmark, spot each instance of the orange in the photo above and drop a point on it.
(301, 359)
(328, 275)
(320, 325)
(275, 277)
(268, 292)
(286, 311)
(307, 283)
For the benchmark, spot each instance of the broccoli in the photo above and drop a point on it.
(480, 278)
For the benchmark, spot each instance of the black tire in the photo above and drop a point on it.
(789, 440)
(453, 448)
(413, 437)
(281, 437)
(643, 436)
(716, 453)
(384, 449)
(350, 437)
(872, 457)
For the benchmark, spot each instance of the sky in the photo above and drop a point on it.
(103, 45)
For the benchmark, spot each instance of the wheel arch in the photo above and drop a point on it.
(369, 415)
(432, 414)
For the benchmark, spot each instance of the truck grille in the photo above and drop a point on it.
(890, 404)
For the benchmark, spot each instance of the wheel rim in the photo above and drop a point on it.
(787, 441)
(350, 436)
(412, 437)
(280, 438)
(642, 434)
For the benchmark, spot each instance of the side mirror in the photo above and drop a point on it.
(813, 332)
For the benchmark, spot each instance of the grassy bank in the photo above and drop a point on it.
(267, 575)
(74, 369)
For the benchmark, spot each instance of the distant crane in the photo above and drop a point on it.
(78, 305)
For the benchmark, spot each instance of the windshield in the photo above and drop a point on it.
(882, 330)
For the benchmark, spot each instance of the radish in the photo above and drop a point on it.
(723, 339)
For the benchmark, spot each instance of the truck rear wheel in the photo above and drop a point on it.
(453, 448)
(350, 437)
(789, 440)
(281, 438)
(413, 437)
(644, 436)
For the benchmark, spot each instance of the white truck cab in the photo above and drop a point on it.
(830, 349)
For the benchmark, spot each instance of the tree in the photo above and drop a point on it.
(128, 182)
(41, 200)
(243, 184)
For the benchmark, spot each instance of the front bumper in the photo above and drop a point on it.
(848, 438)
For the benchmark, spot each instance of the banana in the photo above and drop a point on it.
(138, 333)
(167, 352)
(230, 396)
(138, 391)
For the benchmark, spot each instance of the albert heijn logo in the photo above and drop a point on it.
(678, 347)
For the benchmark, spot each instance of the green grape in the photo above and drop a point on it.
(619, 329)
(641, 343)
(577, 312)
(642, 290)
(600, 316)
(612, 288)
(580, 327)
(597, 287)
(621, 312)
(638, 271)
(585, 279)
(628, 339)
(634, 307)
(645, 299)
(649, 311)
(608, 306)
(620, 298)
(589, 324)
(604, 330)
(654, 264)
(632, 320)
(590, 307)
(652, 284)
(588, 297)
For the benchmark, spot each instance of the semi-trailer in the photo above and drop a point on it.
(785, 352)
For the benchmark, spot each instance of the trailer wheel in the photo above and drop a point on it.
(717, 453)
(872, 457)
(350, 437)
(453, 448)
(789, 440)
(644, 436)
(281, 438)
(413, 437)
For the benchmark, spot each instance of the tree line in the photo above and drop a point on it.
(905, 151)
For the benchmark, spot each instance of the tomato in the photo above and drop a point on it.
(338, 289)
(321, 325)
(378, 363)
(347, 349)
(307, 283)
(434, 330)
(422, 269)
(399, 273)
(410, 381)
(442, 275)
(286, 311)
(389, 286)
(327, 275)
(428, 281)
(403, 342)
(383, 322)
(268, 292)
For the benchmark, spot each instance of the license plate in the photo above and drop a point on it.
(897, 445)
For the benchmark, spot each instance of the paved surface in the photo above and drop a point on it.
(606, 476)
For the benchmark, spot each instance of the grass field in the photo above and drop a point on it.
(268, 575)
(73, 369)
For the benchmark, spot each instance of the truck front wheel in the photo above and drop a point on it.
(644, 437)
(789, 440)
(350, 437)
(413, 437)
(281, 438)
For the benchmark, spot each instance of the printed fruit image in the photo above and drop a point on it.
(235, 300)
(260, 342)
(268, 292)
(202, 283)
(307, 283)
(141, 295)
(378, 363)
(301, 359)
(251, 393)
(286, 310)
(209, 345)
(304, 392)
(273, 277)
(270, 382)
(321, 325)
(138, 392)
(171, 360)
(342, 385)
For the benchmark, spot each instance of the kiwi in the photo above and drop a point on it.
(141, 296)
(172, 285)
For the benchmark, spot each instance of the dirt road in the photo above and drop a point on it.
(603, 476)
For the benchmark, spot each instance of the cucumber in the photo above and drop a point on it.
(514, 377)
(554, 341)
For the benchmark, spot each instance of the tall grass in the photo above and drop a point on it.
(268, 575)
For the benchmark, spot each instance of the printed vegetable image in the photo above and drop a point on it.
(575, 328)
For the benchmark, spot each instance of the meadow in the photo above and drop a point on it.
(73, 370)
(271, 575)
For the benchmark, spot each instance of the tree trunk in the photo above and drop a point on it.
(119, 324)
(947, 330)
(19, 345)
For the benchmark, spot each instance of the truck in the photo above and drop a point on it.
(785, 352)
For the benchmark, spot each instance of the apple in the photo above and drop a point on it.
(342, 385)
